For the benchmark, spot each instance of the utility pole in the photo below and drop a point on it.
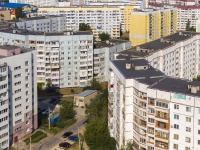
(30, 142)
(79, 144)
(49, 119)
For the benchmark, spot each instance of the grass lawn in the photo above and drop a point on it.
(36, 137)
(63, 91)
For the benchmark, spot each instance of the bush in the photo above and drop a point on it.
(36, 137)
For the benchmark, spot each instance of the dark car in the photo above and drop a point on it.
(65, 145)
(52, 100)
(73, 138)
(66, 134)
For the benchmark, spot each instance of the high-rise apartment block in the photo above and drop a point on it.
(184, 14)
(18, 93)
(109, 19)
(176, 55)
(149, 24)
(151, 110)
(64, 57)
(42, 23)
(39, 3)
(103, 52)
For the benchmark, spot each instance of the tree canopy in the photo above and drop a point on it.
(93, 85)
(197, 78)
(97, 134)
(19, 13)
(188, 28)
(104, 36)
(66, 110)
(84, 27)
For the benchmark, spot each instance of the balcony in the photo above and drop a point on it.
(162, 125)
(162, 115)
(162, 145)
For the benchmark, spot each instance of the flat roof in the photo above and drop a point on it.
(29, 32)
(34, 18)
(8, 47)
(109, 43)
(86, 93)
(175, 85)
(147, 76)
(159, 44)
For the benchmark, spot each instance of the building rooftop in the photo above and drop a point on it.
(175, 6)
(28, 32)
(175, 85)
(86, 93)
(148, 75)
(108, 43)
(156, 45)
(8, 47)
(33, 18)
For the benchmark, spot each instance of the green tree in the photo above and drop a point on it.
(187, 25)
(19, 13)
(40, 86)
(84, 27)
(104, 36)
(97, 134)
(197, 78)
(66, 110)
(49, 86)
(129, 146)
(93, 84)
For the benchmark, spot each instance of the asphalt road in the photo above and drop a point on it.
(56, 139)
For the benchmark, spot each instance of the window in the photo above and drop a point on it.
(188, 129)
(187, 148)
(151, 120)
(162, 104)
(198, 122)
(26, 63)
(26, 107)
(198, 142)
(188, 109)
(176, 126)
(18, 121)
(175, 146)
(176, 136)
(188, 119)
(176, 116)
(198, 131)
(27, 122)
(176, 106)
(198, 110)
(187, 139)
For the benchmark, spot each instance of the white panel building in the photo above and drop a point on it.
(20, 92)
(103, 52)
(154, 111)
(176, 55)
(39, 3)
(4, 107)
(42, 23)
(64, 57)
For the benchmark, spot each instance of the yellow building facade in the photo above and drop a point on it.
(109, 19)
(148, 25)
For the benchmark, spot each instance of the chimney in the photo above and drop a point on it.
(128, 66)
(137, 48)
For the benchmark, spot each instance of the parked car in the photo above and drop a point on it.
(52, 100)
(46, 112)
(73, 138)
(65, 145)
(66, 134)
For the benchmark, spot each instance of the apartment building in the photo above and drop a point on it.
(4, 110)
(64, 57)
(175, 2)
(19, 90)
(151, 24)
(184, 13)
(152, 110)
(39, 3)
(42, 23)
(109, 19)
(103, 52)
(176, 55)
